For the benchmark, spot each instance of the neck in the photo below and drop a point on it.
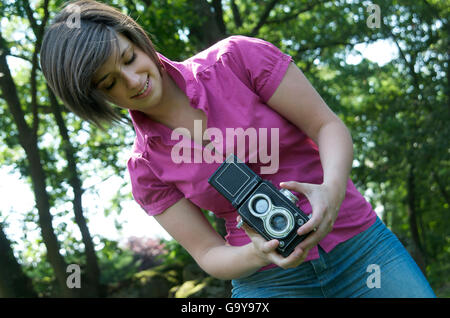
(173, 103)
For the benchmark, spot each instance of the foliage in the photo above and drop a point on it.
(176, 254)
(116, 264)
(146, 251)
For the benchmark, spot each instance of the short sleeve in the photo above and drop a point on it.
(264, 64)
(153, 195)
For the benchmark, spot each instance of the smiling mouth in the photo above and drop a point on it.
(144, 89)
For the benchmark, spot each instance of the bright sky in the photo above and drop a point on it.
(16, 197)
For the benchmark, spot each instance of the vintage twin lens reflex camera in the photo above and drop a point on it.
(269, 211)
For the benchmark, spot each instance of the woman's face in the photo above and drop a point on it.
(130, 78)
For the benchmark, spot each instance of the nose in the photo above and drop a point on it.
(131, 78)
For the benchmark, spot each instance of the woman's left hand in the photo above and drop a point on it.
(325, 202)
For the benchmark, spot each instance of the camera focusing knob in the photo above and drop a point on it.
(288, 194)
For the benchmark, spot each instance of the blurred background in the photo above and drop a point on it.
(65, 195)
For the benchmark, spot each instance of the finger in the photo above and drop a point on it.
(312, 225)
(295, 186)
(301, 254)
(304, 188)
(296, 254)
(308, 227)
(313, 239)
(270, 246)
(294, 259)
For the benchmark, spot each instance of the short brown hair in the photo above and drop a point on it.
(72, 53)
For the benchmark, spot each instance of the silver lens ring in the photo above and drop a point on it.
(266, 204)
(285, 216)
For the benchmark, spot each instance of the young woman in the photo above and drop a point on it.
(244, 83)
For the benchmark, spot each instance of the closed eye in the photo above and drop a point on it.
(133, 57)
(111, 85)
(131, 60)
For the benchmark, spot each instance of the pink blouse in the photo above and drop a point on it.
(231, 82)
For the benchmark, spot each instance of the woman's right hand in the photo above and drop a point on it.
(266, 252)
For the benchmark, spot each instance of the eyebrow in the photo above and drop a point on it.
(106, 75)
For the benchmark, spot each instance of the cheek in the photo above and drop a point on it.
(151, 65)
(121, 91)
(118, 99)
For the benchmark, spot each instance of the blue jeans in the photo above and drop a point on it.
(372, 264)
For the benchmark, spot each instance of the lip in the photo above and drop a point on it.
(147, 91)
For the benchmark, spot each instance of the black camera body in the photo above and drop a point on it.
(269, 211)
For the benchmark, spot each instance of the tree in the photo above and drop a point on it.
(13, 282)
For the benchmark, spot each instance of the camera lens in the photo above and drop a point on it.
(278, 222)
(260, 206)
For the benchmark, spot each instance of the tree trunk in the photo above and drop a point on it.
(28, 141)
(92, 268)
(418, 252)
(13, 282)
(212, 27)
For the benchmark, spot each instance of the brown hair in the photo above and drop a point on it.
(80, 40)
